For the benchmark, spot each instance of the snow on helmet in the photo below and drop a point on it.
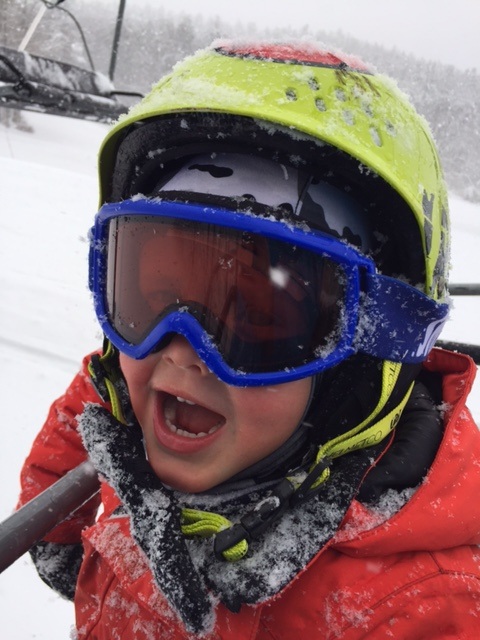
(310, 106)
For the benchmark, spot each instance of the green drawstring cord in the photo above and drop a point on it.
(205, 525)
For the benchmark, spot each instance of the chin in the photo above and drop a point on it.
(188, 482)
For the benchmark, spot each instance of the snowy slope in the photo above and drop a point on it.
(48, 191)
(48, 186)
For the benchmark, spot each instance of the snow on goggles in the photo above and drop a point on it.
(260, 301)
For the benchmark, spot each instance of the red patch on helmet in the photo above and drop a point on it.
(306, 54)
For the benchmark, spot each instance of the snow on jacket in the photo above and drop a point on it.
(412, 572)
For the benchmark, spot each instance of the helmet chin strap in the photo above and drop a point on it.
(109, 383)
(372, 430)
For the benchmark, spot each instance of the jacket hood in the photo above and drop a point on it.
(444, 512)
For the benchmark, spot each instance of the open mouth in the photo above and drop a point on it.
(184, 426)
(188, 419)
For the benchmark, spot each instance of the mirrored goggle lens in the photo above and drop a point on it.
(266, 304)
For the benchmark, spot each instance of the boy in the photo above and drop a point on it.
(282, 452)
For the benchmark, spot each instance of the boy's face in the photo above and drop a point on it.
(175, 397)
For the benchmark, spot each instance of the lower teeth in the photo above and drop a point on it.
(188, 434)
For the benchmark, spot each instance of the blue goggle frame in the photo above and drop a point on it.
(382, 317)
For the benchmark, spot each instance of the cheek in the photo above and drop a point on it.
(137, 374)
(274, 412)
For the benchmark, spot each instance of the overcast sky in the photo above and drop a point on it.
(443, 30)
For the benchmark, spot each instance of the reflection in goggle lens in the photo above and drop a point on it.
(267, 304)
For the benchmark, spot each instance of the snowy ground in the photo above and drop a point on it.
(48, 192)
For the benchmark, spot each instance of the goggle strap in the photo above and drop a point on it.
(393, 314)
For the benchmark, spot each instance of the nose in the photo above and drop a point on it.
(179, 352)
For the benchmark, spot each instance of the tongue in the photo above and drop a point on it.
(192, 417)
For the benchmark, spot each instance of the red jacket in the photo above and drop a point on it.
(413, 576)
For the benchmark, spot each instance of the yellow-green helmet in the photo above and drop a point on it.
(300, 102)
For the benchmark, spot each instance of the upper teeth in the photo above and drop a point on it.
(180, 399)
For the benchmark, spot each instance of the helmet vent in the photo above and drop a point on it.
(349, 117)
(320, 104)
(367, 109)
(291, 94)
(390, 129)
(341, 95)
(374, 133)
(313, 84)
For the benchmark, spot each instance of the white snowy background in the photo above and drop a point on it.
(48, 197)
(439, 30)
(48, 194)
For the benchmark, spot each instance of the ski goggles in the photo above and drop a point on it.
(261, 301)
